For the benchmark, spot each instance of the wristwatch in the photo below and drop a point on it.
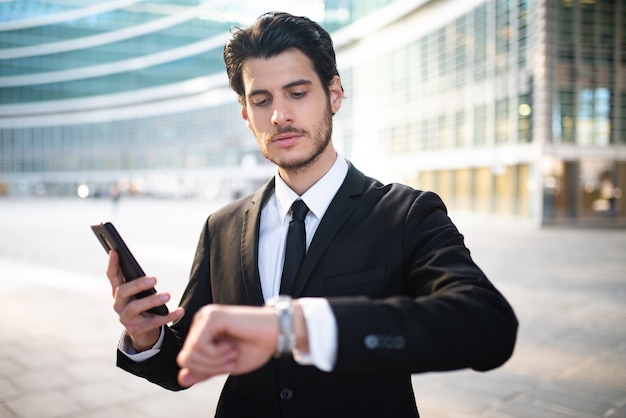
(283, 306)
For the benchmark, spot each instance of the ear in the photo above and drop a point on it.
(244, 116)
(336, 94)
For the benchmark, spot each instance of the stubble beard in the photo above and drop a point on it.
(322, 135)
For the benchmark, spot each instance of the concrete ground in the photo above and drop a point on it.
(59, 332)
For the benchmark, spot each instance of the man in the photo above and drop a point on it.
(386, 288)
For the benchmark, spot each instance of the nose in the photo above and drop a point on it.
(282, 114)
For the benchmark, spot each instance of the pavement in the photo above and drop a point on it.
(59, 332)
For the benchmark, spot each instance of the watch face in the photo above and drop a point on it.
(286, 338)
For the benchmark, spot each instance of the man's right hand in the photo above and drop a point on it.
(142, 328)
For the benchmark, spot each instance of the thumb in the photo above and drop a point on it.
(186, 379)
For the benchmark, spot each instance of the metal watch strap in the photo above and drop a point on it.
(283, 306)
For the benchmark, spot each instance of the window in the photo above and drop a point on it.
(503, 122)
(564, 116)
(480, 42)
(480, 125)
(621, 136)
(593, 125)
(524, 114)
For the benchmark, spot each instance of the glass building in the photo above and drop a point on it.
(505, 107)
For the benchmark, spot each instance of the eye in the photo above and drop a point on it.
(260, 102)
(298, 94)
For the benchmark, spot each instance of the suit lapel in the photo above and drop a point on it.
(342, 206)
(250, 244)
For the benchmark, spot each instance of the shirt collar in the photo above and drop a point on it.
(318, 197)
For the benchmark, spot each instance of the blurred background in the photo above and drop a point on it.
(513, 108)
(514, 111)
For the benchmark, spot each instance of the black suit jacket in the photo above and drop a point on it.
(406, 294)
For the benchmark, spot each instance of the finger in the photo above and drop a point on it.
(113, 272)
(197, 366)
(141, 325)
(186, 379)
(207, 357)
(204, 354)
(212, 356)
(140, 306)
(190, 376)
(125, 292)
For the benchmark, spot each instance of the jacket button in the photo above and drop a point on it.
(399, 343)
(371, 342)
(286, 394)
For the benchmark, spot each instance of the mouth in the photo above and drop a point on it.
(286, 139)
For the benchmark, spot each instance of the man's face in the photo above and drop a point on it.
(288, 109)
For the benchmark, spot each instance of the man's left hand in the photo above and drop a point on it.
(227, 339)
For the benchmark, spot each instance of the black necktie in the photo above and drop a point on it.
(295, 247)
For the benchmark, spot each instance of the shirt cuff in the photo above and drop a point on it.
(126, 347)
(322, 331)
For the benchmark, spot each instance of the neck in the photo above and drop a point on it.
(302, 179)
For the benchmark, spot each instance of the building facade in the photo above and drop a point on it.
(506, 107)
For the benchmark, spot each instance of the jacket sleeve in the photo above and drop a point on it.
(452, 317)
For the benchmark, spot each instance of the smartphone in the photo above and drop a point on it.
(111, 240)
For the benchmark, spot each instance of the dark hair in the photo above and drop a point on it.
(272, 34)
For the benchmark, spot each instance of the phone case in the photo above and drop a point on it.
(131, 270)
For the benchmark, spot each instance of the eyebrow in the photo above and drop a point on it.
(285, 87)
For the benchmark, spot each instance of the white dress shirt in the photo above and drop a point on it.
(320, 321)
